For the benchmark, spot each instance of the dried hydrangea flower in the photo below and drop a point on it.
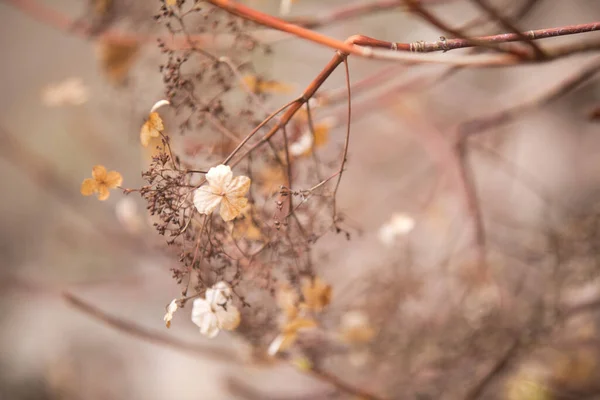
(398, 225)
(316, 293)
(154, 125)
(101, 182)
(222, 189)
(289, 334)
(355, 328)
(71, 91)
(171, 308)
(215, 312)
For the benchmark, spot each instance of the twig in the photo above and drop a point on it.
(437, 22)
(501, 117)
(509, 26)
(354, 10)
(148, 335)
(346, 144)
(460, 43)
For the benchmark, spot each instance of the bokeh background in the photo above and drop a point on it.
(537, 180)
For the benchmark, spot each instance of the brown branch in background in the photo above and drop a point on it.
(479, 125)
(354, 10)
(509, 26)
(148, 335)
(499, 366)
(457, 33)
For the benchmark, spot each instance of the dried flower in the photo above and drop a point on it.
(289, 334)
(355, 328)
(317, 294)
(214, 312)
(287, 299)
(258, 85)
(400, 224)
(304, 145)
(101, 182)
(153, 126)
(171, 308)
(117, 58)
(71, 91)
(222, 189)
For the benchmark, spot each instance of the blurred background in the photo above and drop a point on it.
(529, 332)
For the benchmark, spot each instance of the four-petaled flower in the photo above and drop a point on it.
(215, 311)
(101, 182)
(222, 189)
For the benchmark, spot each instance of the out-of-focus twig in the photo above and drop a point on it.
(148, 335)
(495, 15)
(354, 10)
(479, 125)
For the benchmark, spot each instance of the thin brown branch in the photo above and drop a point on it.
(506, 24)
(428, 16)
(458, 43)
(354, 10)
(346, 144)
(148, 335)
(501, 117)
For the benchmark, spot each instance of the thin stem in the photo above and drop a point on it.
(492, 13)
(346, 142)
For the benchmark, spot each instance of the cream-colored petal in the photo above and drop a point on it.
(220, 293)
(205, 200)
(229, 317)
(199, 308)
(159, 104)
(219, 178)
(232, 207)
(145, 134)
(210, 325)
(238, 186)
(113, 179)
(99, 173)
(282, 342)
(89, 186)
(203, 316)
(103, 192)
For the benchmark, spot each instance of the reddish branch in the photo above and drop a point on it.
(451, 44)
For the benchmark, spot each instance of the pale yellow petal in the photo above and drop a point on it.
(99, 173)
(155, 122)
(89, 186)
(113, 179)
(145, 135)
(219, 178)
(205, 200)
(238, 187)
(232, 207)
(103, 192)
(229, 318)
(317, 294)
(298, 324)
